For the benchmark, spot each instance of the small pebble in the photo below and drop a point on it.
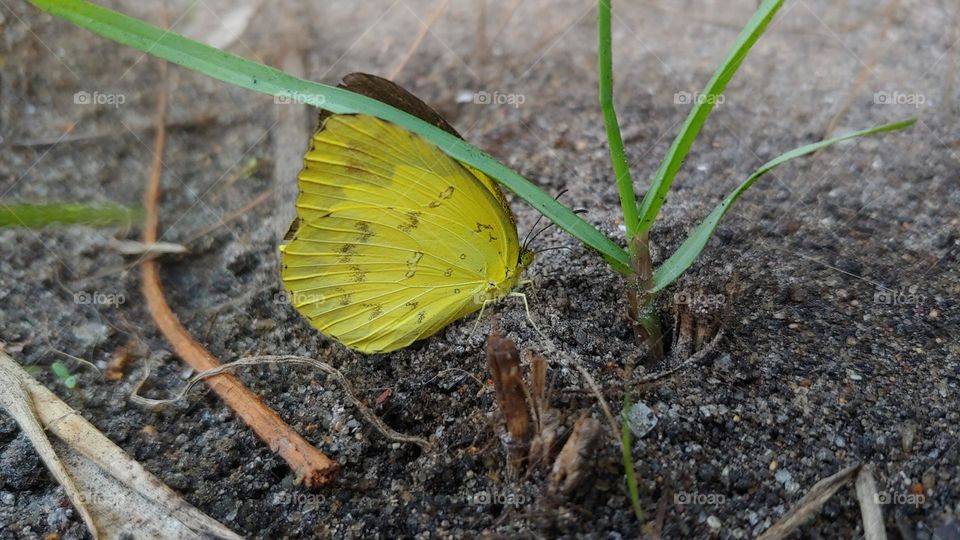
(641, 419)
(783, 476)
(723, 363)
(929, 480)
(90, 333)
(796, 294)
(714, 522)
(264, 325)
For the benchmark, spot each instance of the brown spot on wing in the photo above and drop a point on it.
(412, 264)
(347, 251)
(412, 221)
(359, 274)
(376, 312)
(365, 232)
(444, 196)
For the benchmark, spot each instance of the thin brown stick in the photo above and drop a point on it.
(571, 359)
(505, 20)
(263, 197)
(432, 18)
(865, 71)
(309, 464)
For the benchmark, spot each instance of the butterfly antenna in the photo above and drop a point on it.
(527, 239)
(553, 249)
(547, 226)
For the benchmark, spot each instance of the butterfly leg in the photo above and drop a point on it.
(526, 306)
(533, 288)
(480, 316)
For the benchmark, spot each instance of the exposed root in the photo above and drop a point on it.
(337, 375)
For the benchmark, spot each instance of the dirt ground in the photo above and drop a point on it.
(836, 278)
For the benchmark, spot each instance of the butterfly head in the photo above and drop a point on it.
(526, 259)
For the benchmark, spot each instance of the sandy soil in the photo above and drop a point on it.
(836, 278)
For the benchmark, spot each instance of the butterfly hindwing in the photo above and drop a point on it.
(396, 239)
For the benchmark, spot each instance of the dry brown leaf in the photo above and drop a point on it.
(503, 360)
(119, 361)
(573, 464)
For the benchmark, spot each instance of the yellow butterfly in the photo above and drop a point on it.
(394, 239)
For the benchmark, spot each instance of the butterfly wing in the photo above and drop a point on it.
(396, 239)
(389, 92)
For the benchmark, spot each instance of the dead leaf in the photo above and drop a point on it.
(503, 360)
(119, 360)
(573, 465)
(869, 500)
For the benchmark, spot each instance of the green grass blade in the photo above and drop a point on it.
(688, 252)
(35, 216)
(628, 199)
(244, 73)
(626, 446)
(653, 200)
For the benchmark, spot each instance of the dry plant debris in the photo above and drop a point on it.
(310, 465)
(573, 464)
(115, 495)
(503, 360)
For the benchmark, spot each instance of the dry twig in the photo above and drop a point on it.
(810, 504)
(415, 44)
(104, 484)
(309, 464)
